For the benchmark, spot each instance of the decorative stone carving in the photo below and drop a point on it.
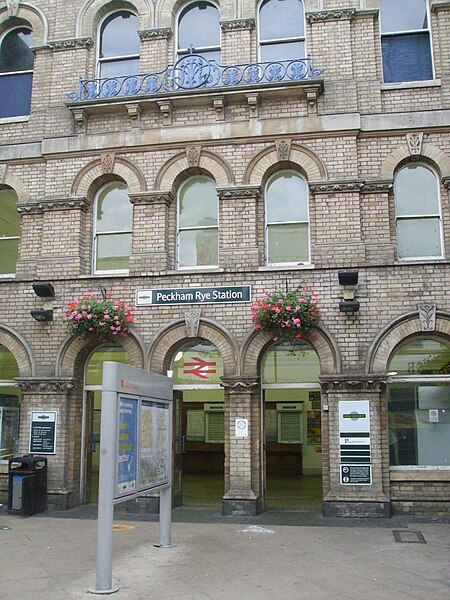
(192, 319)
(219, 107)
(236, 24)
(427, 316)
(50, 204)
(71, 43)
(12, 6)
(446, 182)
(193, 155)
(239, 384)
(344, 383)
(253, 100)
(80, 119)
(377, 187)
(239, 192)
(283, 149)
(414, 141)
(134, 112)
(151, 198)
(45, 385)
(161, 33)
(2, 173)
(330, 15)
(107, 161)
(165, 108)
(331, 187)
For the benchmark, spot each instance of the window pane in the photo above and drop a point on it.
(113, 252)
(416, 191)
(119, 35)
(281, 19)
(94, 369)
(286, 51)
(114, 209)
(198, 203)
(403, 15)
(199, 25)
(9, 250)
(119, 68)
(15, 53)
(187, 368)
(287, 198)
(198, 248)
(9, 216)
(406, 58)
(288, 243)
(8, 365)
(15, 104)
(422, 357)
(414, 439)
(291, 363)
(419, 238)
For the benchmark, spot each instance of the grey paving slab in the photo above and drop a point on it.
(53, 558)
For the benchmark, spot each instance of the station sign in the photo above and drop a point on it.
(356, 474)
(201, 295)
(354, 442)
(43, 432)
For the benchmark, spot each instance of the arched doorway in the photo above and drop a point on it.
(9, 405)
(92, 416)
(292, 427)
(199, 425)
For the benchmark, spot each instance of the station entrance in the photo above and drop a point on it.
(292, 427)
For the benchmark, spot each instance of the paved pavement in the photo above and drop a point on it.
(51, 556)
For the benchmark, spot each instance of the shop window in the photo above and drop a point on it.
(405, 40)
(16, 72)
(119, 45)
(287, 219)
(418, 213)
(419, 404)
(9, 233)
(198, 231)
(9, 405)
(112, 229)
(281, 30)
(199, 31)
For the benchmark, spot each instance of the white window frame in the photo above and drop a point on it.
(410, 32)
(96, 235)
(198, 228)
(2, 37)
(182, 52)
(437, 215)
(273, 42)
(267, 224)
(99, 60)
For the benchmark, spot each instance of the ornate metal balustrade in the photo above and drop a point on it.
(194, 72)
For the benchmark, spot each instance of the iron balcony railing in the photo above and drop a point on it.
(193, 72)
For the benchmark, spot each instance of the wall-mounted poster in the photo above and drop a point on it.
(313, 427)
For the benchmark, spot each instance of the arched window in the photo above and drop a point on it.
(418, 212)
(112, 228)
(119, 45)
(419, 403)
(198, 224)
(9, 405)
(287, 219)
(405, 40)
(199, 31)
(9, 232)
(16, 72)
(281, 30)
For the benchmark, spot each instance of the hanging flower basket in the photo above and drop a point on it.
(286, 315)
(99, 316)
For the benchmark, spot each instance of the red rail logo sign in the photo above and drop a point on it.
(199, 368)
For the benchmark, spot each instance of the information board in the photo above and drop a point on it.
(354, 442)
(127, 445)
(154, 456)
(356, 474)
(43, 432)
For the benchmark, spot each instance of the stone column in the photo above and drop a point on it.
(151, 227)
(242, 454)
(238, 227)
(55, 394)
(355, 500)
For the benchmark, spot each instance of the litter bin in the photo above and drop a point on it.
(27, 484)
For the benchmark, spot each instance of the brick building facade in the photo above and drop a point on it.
(360, 123)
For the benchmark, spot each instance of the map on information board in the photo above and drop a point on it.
(154, 433)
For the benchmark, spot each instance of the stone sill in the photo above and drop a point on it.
(420, 474)
(406, 85)
(23, 119)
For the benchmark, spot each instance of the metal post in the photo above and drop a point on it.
(105, 518)
(165, 518)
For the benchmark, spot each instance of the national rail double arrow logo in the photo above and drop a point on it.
(199, 368)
